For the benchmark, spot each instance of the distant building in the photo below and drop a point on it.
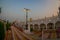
(46, 23)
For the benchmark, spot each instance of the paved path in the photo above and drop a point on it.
(8, 35)
(18, 35)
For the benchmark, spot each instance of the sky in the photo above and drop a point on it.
(14, 9)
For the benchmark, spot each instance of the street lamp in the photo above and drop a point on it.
(26, 10)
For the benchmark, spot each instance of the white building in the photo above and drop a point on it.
(46, 23)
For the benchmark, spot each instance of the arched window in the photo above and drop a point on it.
(42, 26)
(57, 24)
(36, 27)
(50, 25)
(31, 27)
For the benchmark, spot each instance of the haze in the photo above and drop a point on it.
(14, 9)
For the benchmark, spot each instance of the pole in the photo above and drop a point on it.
(42, 34)
(26, 20)
(26, 17)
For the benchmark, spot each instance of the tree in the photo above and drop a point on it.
(2, 32)
(8, 25)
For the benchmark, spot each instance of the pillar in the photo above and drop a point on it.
(33, 26)
(38, 27)
(54, 26)
(29, 27)
(46, 27)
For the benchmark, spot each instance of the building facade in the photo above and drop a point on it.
(46, 23)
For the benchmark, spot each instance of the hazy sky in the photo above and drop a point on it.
(14, 9)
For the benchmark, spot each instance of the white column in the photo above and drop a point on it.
(38, 27)
(28, 31)
(46, 26)
(33, 26)
(29, 27)
(54, 26)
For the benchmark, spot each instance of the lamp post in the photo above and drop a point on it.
(26, 10)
